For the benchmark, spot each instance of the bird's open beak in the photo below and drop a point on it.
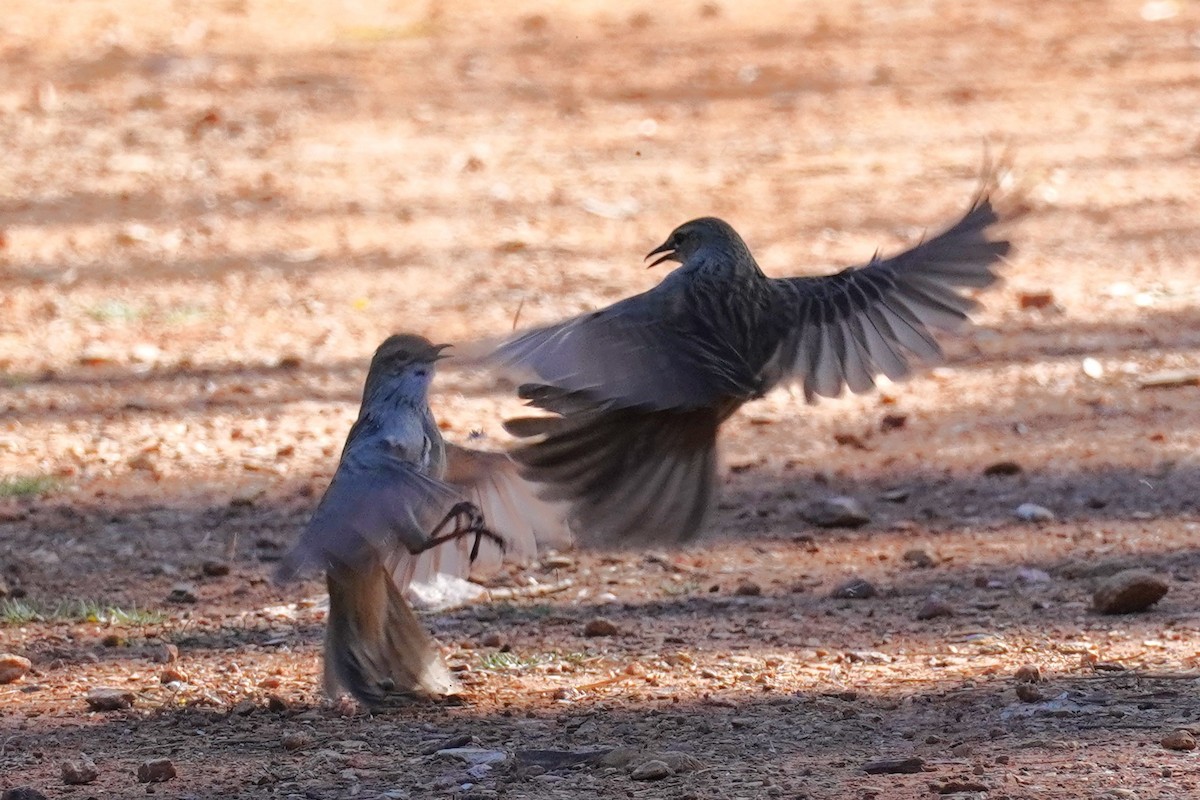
(439, 348)
(665, 247)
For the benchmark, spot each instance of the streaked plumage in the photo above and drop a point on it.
(638, 390)
(402, 506)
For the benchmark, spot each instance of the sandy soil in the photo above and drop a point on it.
(210, 213)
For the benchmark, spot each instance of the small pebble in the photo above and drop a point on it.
(894, 766)
(1002, 469)
(13, 667)
(105, 698)
(172, 675)
(166, 654)
(934, 607)
(215, 569)
(492, 640)
(296, 740)
(1128, 592)
(918, 558)
(157, 770)
(1179, 740)
(600, 627)
(837, 512)
(80, 772)
(653, 770)
(854, 589)
(748, 589)
(1032, 512)
(558, 561)
(680, 762)
(182, 593)
(432, 746)
(22, 793)
(618, 758)
(1028, 673)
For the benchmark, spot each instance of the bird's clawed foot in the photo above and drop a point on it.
(467, 520)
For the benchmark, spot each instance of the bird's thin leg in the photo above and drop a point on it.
(467, 520)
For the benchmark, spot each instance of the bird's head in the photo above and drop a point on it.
(707, 234)
(405, 359)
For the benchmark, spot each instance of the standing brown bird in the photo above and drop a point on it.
(402, 505)
(639, 389)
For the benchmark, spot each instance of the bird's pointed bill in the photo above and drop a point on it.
(667, 248)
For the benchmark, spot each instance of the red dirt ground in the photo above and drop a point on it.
(210, 214)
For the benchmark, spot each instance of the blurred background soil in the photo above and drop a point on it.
(211, 213)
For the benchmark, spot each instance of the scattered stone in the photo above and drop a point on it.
(1028, 693)
(652, 770)
(680, 762)
(215, 569)
(854, 589)
(1128, 592)
(897, 495)
(1092, 368)
(918, 558)
(1033, 576)
(492, 640)
(276, 703)
(1002, 468)
(105, 698)
(934, 607)
(1179, 740)
(619, 758)
(1032, 512)
(748, 589)
(80, 772)
(1108, 666)
(600, 627)
(458, 740)
(166, 654)
(22, 793)
(892, 422)
(172, 675)
(156, 770)
(837, 512)
(1116, 794)
(473, 755)
(296, 740)
(1028, 673)
(1035, 300)
(13, 667)
(113, 640)
(182, 593)
(894, 766)
(958, 786)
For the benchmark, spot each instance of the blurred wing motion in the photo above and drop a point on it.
(511, 508)
(376, 505)
(640, 389)
(645, 351)
(376, 508)
(845, 329)
(633, 477)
